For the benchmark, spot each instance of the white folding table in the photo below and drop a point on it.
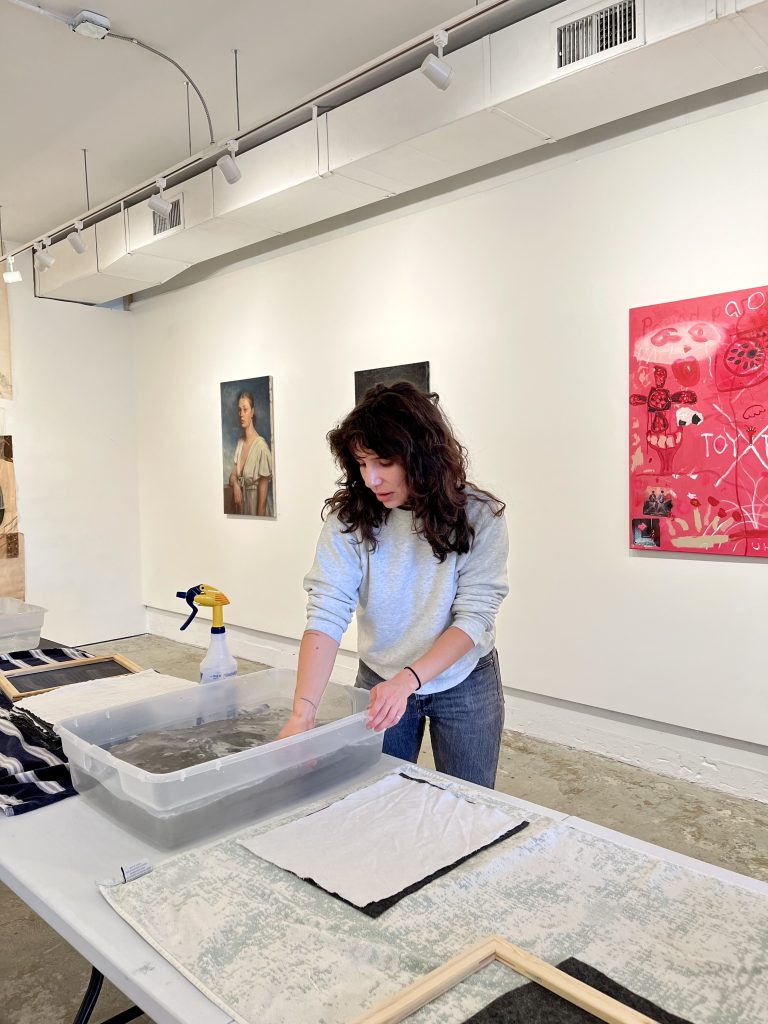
(53, 857)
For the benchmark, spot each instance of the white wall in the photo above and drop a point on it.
(73, 421)
(517, 293)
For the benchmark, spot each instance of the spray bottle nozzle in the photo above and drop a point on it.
(204, 594)
(189, 596)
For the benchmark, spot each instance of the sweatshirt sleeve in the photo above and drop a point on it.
(333, 582)
(482, 576)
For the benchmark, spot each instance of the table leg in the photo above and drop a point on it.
(89, 1002)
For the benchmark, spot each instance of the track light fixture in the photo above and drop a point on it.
(11, 276)
(434, 67)
(158, 204)
(43, 259)
(76, 239)
(228, 165)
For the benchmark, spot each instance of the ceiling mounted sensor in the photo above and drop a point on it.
(91, 25)
(438, 71)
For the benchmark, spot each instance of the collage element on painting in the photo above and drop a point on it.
(698, 425)
(247, 438)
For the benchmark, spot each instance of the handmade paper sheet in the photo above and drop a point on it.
(383, 839)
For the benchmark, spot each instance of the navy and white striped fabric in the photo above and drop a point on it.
(33, 772)
(31, 659)
(33, 768)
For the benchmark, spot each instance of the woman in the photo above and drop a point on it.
(421, 554)
(252, 465)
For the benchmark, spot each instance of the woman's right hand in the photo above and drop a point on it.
(237, 494)
(295, 725)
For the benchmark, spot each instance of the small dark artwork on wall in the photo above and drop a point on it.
(416, 373)
(248, 447)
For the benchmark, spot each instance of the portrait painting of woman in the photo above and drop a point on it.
(247, 443)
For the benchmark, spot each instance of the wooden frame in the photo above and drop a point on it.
(7, 678)
(449, 974)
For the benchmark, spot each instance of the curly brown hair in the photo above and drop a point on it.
(403, 423)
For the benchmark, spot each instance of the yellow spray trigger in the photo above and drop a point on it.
(207, 596)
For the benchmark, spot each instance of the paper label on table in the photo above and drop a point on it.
(133, 871)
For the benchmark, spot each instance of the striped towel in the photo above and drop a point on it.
(33, 768)
(47, 656)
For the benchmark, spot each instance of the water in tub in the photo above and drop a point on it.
(171, 749)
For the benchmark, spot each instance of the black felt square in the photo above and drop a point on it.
(533, 1004)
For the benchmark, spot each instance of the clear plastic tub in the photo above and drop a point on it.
(20, 625)
(171, 805)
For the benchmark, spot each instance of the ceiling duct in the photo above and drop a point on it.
(510, 92)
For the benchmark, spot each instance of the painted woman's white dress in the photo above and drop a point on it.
(258, 463)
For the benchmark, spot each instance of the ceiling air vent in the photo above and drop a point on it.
(160, 224)
(602, 30)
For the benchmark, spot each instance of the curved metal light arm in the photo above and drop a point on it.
(159, 53)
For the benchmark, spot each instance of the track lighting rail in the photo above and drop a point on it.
(484, 19)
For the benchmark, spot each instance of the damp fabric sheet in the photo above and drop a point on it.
(269, 949)
(383, 840)
(100, 694)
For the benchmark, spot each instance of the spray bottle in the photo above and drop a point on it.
(218, 662)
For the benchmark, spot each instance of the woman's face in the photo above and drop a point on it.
(245, 412)
(385, 477)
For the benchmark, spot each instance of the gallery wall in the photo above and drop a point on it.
(517, 292)
(73, 422)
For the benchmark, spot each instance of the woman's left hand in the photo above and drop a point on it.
(388, 701)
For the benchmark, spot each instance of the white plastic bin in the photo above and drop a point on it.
(171, 808)
(20, 625)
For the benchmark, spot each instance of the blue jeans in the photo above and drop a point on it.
(465, 723)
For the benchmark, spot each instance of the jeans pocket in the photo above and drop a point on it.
(485, 661)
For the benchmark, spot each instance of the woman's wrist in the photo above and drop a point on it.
(304, 708)
(409, 679)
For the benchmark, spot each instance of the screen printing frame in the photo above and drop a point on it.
(10, 690)
(489, 950)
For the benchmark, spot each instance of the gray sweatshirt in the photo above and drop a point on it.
(405, 599)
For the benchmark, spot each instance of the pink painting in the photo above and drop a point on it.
(698, 425)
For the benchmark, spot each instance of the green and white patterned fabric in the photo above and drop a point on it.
(271, 949)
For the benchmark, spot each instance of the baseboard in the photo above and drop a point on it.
(733, 767)
(717, 762)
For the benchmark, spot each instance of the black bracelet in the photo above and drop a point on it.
(407, 668)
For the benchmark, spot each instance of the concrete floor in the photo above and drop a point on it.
(42, 979)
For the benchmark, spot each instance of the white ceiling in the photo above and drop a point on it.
(63, 93)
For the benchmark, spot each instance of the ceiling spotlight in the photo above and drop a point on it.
(158, 204)
(434, 67)
(11, 276)
(76, 240)
(228, 165)
(43, 259)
